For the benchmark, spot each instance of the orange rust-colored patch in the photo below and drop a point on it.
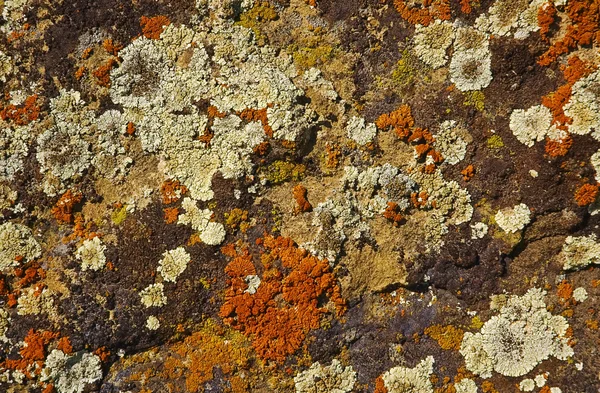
(302, 204)
(102, 73)
(284, 308)
(36, 343)
(584, 16)
(586, 194)
(171, 191)
(448, 337)
(64, 344)
(87, 52)
(130, 129)
(466, 6)
(380, 386)
(419, 199)
(564, 290)
(334, 154)
(103, 353)
(78, 75)
(400, 120)
(22, 114)
(392, 213)
(558, 148)
(432, 9)
(31, 275)
(250, 115)
(170, 214)
(111, 46)
(153, 27)
(63, 210)
(546, 16)
(262, 148)
(468, 172)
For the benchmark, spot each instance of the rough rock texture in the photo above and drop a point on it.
(299, 195)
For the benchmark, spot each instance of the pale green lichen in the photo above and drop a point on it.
(360, 132)
(531, 125)
(152, 323)
(210, 232)
(583, 107)
(520, 337)
(17, 245)
(71, 373)
(334, 378)
(173, 263)
(513, 219)
(153, 295)
(465, 385)
(410, 380)
(432, 42)
(451, 140)
(91, 254)
(579, 252)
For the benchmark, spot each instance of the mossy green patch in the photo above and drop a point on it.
(283, 171)
(311, 56)
(495, 142)
(251, 19)
(119, 215)
(475, 99)
(406, 68)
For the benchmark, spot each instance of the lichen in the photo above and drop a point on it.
(579, 252)
(173, 263)
(91, 254)
(513, 219)
(17, 245)
(334, 378)
(71, 373)
(153, 295)
(520, 337)
(531, 125)
(360, 132)
(407, 380)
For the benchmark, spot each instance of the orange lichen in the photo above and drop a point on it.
(153, 27)
(302, 204)
(392, 213)
(64, 344)
(171, 191)
(448, 337)
(22, 114)
(35, 345)
(401, 120)
(86, 53)
(334, 153)
(262, 148)
(80, 72)
(102, 73)
(170, 214)
(130, 129)
(63, 210)
(30, 275)
(284, 308)
(466, 7)
(582, 30)
(468, 172)
(103, 353)
(546, 16)
(111, 47)
(564, 290)
(432, 9)
(419, 199)
(213, 112)
(380, 386)
(586, 194)
(488, 387)
(558, 148)
(250, 115)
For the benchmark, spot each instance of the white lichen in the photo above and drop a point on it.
(153, 295)
(360, 132)
(478, 230)
(531, 125)
(579, 252)
(527, 385)
(334, 378)
(580, 294)
(34, 301)
(595, 161)
(91, 254)
(432, 42)
(17, 245)
(513, 219)
(451, 140)
(210, 232)
(520, 337)
(465, 385)
(583, 107)
(71, 373)
(173, 263)
(410, 380)
(152, 323)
